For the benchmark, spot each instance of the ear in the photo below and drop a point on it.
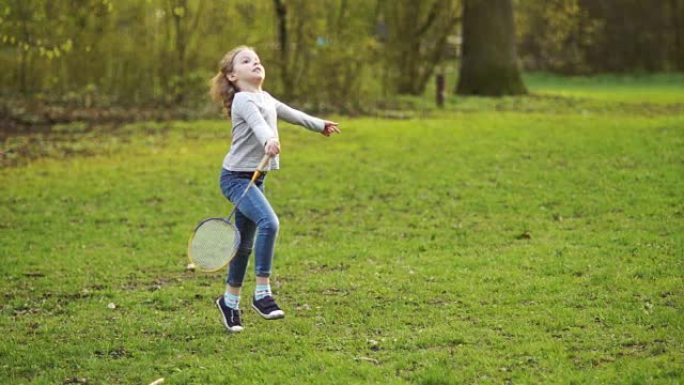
(231, 77)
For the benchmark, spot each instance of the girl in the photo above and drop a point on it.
(253, 114)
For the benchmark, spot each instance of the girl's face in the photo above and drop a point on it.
(247, 69)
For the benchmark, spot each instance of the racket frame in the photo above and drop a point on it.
(236, 243)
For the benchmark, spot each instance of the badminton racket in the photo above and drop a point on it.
(215, 241)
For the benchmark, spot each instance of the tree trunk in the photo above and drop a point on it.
(283, 47)
(180, 45)
(489, 63)
(24, 54)
(677, 12)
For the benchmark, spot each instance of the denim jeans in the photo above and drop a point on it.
(254, 216)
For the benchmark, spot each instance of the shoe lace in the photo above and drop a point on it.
(268, 303)
(235, 316)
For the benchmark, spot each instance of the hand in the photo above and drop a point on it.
(330, 128)
(272, 147)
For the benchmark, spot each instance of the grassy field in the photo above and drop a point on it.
(517, 240)
(659, 89)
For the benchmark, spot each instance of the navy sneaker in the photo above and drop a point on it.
(230, 316)
(267, 308)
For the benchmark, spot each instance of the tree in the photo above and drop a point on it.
(323, 53)
(677, 22)
(184, 30)
(635, 35)
(489, 63)
(555, 35)
(591, 36)
(283, 45)
(297, 32)
(415, 35)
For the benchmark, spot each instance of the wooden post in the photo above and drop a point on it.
(440, 84)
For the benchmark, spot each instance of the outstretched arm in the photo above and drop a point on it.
(295, 116)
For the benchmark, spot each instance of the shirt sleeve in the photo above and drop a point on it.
(248, 110)
(294, 116)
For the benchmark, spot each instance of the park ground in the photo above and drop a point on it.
(535, 239)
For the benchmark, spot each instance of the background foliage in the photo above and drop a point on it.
(342, 55)
(588, 36)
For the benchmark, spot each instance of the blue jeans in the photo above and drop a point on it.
(254, 216)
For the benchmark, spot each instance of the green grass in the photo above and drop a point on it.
(640, 95)
(657, 89)
(487, 243)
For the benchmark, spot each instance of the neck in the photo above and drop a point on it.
(249, 87)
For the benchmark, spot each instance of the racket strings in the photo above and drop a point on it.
(213, 244)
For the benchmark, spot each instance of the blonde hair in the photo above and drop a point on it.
(223, 90)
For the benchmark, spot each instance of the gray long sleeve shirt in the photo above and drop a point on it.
(254, 117)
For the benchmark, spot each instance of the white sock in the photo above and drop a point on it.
(231, 300)
(262, 291)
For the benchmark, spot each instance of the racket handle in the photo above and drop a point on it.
(260, 167)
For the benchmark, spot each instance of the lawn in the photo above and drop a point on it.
(517, 240)
(659, 89)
